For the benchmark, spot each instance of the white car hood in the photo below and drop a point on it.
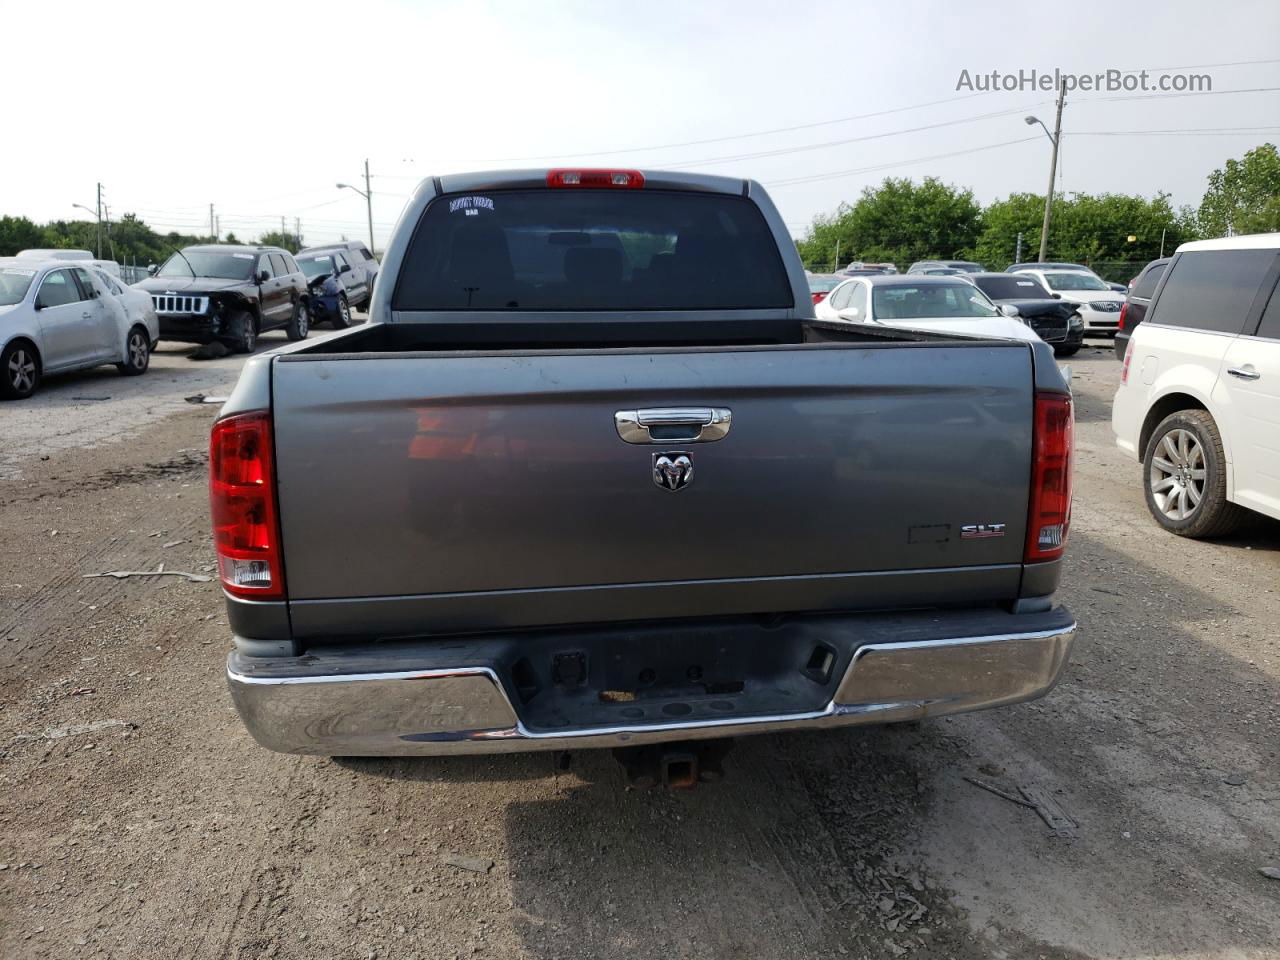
(1005, 327)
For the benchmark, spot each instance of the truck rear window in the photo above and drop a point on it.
(592, 249)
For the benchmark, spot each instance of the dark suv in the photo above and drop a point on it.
(1135, 306)
(229, 293)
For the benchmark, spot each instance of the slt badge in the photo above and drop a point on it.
(672, 471)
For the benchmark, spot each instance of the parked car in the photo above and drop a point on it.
(1057, 322)
(80, 256)
(334, 286)
(364, 268)
(642, 493)
(1198, 401)
(860, 268)
(821, 284)
(1071, 267)
(1097, 303)
(55, 317)
(962, 266)
(230, 293)
(922, 302)
(138, 306)
(1135, 305)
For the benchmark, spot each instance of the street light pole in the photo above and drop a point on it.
(98, 214)
(367, 193)
(368, 200)
(1054, 138)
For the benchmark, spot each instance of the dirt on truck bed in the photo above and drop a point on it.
(1128, 814)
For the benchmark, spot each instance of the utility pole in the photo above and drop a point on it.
(297, 232)
(213, 226)
(111, 246)
(1017, 254)
(836, 267)
(1162, 233)
(368, 199)
(1053, 172)
(99, 252)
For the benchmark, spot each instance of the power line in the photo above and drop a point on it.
(812, 178)
(818, 123)
(1201, 66)
(743, 136)
(862, 139)
(1200, 132)
(1167, 96)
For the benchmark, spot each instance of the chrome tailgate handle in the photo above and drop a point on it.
(673, 424)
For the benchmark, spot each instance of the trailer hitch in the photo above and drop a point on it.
(680, 765)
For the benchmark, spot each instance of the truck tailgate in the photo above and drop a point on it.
(468, 491)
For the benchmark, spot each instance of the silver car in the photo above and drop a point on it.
(57, 316)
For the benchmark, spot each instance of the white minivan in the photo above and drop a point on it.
(1199, 397)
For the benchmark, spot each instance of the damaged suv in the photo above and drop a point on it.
(231, 294)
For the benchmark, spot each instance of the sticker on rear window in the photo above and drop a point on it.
(471, 206)
(243, 256)
(1024, 283)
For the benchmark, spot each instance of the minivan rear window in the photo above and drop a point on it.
(1212, 289)
(592, 249)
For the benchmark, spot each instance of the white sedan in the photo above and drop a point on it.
(1099, 304)
(57, 316)
(922, 302)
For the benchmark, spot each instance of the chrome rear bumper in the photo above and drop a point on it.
(303, 705)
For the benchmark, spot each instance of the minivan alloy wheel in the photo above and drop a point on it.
(22, 370)
(1177, 474)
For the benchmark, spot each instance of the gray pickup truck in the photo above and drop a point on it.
(594, 476)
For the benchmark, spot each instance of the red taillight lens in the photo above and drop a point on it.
(1128, 355)
(1050, 513)
(819, 297)
(1124, 312)
(618, 179)
(242, 501)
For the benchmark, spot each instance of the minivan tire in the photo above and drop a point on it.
(342, 319)
(1194, 446)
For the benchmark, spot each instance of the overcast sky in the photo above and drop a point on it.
(260, 108)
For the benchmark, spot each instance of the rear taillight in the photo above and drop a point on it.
(1050, 513)
(1124, 312)
(242, 501)
(618, 179)
(1128, 355)
(819, 297)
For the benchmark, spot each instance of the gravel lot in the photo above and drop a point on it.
(138, 819)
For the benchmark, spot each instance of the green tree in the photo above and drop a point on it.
(275, 238)
(898, 221)
(1092, 229)
(1244, 195)
(19, 233)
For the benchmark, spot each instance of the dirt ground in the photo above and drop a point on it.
(139, 820)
